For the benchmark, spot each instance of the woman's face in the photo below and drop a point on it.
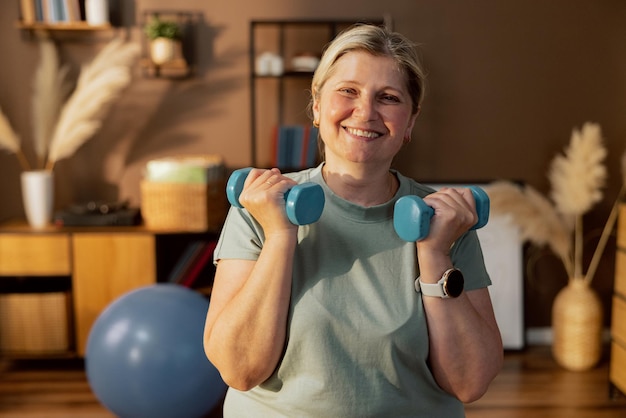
(364, 109)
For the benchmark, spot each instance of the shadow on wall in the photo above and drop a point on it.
(155, 117)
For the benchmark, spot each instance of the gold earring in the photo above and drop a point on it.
(316, 124)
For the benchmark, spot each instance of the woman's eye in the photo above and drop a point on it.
(390, 98)
(347, 90)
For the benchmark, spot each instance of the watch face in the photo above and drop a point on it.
(454, 284)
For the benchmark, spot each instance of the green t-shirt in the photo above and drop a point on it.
(357, 341)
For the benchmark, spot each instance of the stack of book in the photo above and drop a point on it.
(52, 11)
(295, 147)
(192, 262)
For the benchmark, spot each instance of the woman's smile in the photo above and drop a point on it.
(362, 133)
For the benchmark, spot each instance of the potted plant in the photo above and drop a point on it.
(577, 178)
(165, 40)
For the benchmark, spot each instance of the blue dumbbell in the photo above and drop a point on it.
(304, 202)
(411, 215)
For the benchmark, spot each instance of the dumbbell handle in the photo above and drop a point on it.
(304, 202)
(411, 215)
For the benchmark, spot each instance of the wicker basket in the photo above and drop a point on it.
(34, 323)
(577, 327)
(193, 207)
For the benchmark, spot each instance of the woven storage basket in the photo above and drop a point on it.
(184, 206)
(577, 327)
(34, 323)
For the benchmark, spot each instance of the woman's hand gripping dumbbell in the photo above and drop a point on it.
(411, 215)
(304, 202)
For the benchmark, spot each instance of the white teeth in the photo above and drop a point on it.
(360, 132)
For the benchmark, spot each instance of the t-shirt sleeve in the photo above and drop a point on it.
(241, 237)
(467, 256)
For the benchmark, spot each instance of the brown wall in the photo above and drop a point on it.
(508, 80)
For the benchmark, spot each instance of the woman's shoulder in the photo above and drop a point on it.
(308, 174)
(410, 186)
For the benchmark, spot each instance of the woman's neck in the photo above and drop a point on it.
(365, 186)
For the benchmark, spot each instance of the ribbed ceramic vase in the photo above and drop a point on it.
(577, 327)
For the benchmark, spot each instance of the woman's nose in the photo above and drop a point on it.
(365, 109)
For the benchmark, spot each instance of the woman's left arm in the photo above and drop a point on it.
(465, 343)
(465, 346)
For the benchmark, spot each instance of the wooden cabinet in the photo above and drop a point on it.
(107, 265)
(618, 317)
(86, 267)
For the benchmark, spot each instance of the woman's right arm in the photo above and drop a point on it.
(246, 324)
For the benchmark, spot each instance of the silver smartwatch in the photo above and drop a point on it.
(450, 285)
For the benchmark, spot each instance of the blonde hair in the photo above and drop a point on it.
(379, 41)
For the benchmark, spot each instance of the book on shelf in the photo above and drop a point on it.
(199, 263)
(51, 11)
(192, 262)
(72, 10)
(28, 11)
(295, 146)
(185, 261)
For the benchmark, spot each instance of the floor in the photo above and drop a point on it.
(530, 385)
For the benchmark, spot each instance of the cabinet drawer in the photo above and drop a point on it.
(617, 371)
(34, 323)
(620, 272)
(35, 255)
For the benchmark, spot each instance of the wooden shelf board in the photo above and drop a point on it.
(63, 26)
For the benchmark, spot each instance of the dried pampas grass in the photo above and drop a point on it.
(99, 84)
(577, 179)
(535, 216)
(10, 141)
(61, 126)
(50, 89)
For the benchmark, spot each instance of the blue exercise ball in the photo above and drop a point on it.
(145, 356)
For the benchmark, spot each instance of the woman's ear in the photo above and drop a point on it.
(316, 110)
(412, 120)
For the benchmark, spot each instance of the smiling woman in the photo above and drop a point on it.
(362, 341)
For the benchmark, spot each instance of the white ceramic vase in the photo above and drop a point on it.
(38, 197)
(97, 12)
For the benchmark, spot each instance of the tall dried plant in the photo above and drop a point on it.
(50, 89)
(10, 141)
(577, 178)
(62, 126)
(99, 84)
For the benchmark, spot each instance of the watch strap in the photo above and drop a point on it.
(430, 289)
(439, 289)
